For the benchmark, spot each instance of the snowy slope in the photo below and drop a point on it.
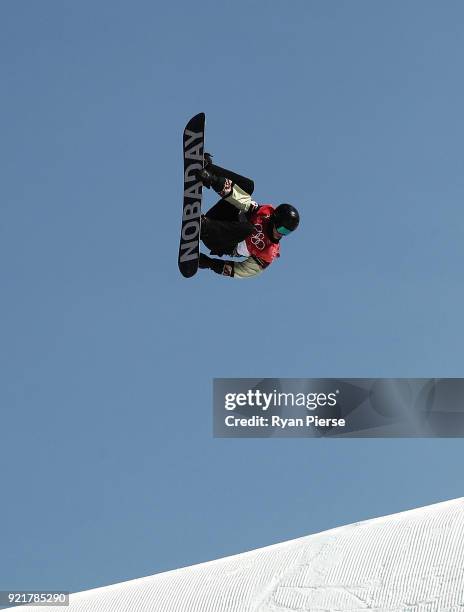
(408, 561)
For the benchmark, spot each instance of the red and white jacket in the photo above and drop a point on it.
(260, 248)
(260, 244)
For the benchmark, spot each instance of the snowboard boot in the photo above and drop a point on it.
(207, 160)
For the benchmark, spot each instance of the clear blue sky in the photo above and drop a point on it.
(350, 110)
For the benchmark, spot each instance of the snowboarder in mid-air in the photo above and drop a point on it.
(239, 227)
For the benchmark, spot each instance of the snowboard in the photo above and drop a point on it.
(189, 247)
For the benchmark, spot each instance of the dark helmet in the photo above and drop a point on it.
(285, 218)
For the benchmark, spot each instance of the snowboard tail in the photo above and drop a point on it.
(189, 247)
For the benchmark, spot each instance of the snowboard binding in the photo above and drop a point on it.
(207, 160)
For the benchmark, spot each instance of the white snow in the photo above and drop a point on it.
(409, 561)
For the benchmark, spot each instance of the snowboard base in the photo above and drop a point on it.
(189, 247)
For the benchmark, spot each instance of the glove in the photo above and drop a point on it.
(205, 261)
(219, 266)
(205, 176)
(218, 183)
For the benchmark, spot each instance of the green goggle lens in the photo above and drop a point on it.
(283, 230)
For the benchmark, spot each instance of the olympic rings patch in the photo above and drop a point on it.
(258, 237)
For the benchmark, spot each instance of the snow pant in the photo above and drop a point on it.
(222, 230)
(245, 183)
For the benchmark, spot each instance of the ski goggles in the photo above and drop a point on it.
(283, 230)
